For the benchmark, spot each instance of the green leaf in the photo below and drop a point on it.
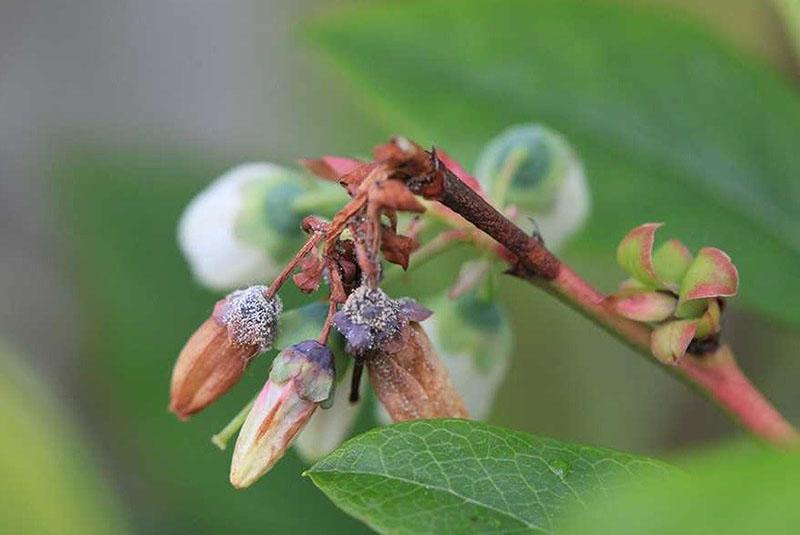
(52, 484)
(457, 476)
(733, 492)
(635, 254)
(672, 124)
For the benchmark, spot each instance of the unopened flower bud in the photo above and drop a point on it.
(243, 227)
(412, 382)
(535, 169)
(301, 378)
(371, 320)
(242, 325)
(474, 340)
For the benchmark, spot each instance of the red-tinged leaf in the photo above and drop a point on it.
(712, 274)
(643, 305)
(459, 171)
(635, 254)
(310, 275)
(331, 167)
(397, 248)
(669, 341)
(394, 195)
(671, 261)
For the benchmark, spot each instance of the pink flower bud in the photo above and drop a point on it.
(301, 378)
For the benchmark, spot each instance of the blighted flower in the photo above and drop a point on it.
(370, 319)
(411, 381)
(251, 317)
(214, 358)
(535, 169)
(301, 378)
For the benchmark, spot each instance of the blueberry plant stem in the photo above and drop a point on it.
(715, 374)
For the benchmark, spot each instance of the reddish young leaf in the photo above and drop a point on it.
(712, 274)
(331, 167)
(635, 254)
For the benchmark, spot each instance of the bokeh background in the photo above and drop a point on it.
(113, 114)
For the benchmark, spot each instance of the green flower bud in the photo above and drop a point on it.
(535, 169)
(474, 340)
(245, 225)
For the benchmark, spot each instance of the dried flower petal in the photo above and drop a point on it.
(207, 367)
(301, 377)
(412, 382)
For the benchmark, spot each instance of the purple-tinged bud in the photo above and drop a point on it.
(371, 320)
(301, 378)
(242, 325)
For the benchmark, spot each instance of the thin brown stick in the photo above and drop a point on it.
(287, 270)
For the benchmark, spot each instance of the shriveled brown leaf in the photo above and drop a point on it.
(394, 195)
(310, 275)
(397, 248)
(331, 168)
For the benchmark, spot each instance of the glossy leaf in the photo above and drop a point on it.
(672, 124)
(458, 476)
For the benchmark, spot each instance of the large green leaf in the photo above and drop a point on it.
(457, 476)
(673, 125)
(735, 493)
(51, 483)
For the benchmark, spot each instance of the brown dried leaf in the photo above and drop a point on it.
(394, 195)
(310, 275)
(331, 168)
(397, 248)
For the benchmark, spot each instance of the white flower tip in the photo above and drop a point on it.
(207, 233)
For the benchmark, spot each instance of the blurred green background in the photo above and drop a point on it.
(113, 115)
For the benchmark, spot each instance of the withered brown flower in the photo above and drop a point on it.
(214, 358)
(412, 382)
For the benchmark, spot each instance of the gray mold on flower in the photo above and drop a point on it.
(371, 319)
(251, 317)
